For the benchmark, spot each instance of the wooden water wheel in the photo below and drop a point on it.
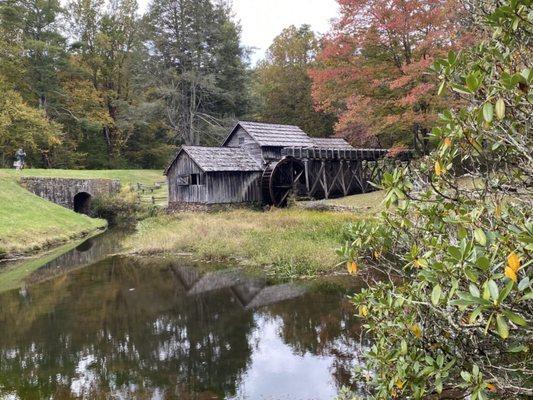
(280, 179)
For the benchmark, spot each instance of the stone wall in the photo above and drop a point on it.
(62, 190)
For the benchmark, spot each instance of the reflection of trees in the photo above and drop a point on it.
(153, 336)
(331, 332)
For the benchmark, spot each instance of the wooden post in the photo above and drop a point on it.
(343, 179)
(325, 183)
(306, 168)
(317, 178)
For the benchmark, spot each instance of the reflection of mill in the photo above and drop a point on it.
(250, 292)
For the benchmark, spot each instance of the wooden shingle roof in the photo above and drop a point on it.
(332, 143)
(273, 135)
(211, 159)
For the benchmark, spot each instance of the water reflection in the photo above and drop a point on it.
(59, 261)
(88, 252)
(157, 329)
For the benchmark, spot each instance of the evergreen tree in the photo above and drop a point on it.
(200, 65)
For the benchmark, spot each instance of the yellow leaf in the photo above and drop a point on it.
(377, 254)
(509, 273)
(363, 311)
(352, 268)
(438, 169)
(399, 384)
(513, 262)
(417, 331)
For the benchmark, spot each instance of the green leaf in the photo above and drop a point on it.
(503, 328)
(488, 112)
(452, 57)
(505, 292)
(515, 318)
(466, 376)
(480, 237)
(527, 73)
(515, 23)
(524, 283)
(528, 295)
(442, 86)
(500, 109)
(438, 384)
(483, 263)
(461, 89)
(486, 293)
(493, 289)
(474, 315)
(472, 82)
(435, 295)
(471, 274)
(440, 360)
(518, 349)
(403, 347)
(474, 291)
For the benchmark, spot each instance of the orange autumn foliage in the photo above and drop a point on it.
(372, 71)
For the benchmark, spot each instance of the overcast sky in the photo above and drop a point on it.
(263, 20)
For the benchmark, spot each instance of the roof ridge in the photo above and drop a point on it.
(269, 123)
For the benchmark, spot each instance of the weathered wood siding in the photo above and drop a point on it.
(271, 153)
(249, 144)
(233, 187)
(192, 193)
(216, 187)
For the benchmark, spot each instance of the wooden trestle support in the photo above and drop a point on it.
(320, 173)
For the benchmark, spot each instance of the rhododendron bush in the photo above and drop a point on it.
(453, 318)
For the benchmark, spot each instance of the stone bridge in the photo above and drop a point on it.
(75, 194)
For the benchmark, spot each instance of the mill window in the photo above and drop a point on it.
(196, 179)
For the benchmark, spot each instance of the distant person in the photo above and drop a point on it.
(20, 157)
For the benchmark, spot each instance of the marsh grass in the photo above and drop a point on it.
(290, 242)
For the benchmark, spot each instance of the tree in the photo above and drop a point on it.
(39, 47)
(200, 66)
(24, 126)
(125, 89)
(454, 321)
(284, 86)
(107, 42)
(371, 70)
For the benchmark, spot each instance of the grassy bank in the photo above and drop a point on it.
(29, 223)
(290, 242)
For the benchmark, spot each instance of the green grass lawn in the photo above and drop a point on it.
(29, 223)
(126, 177)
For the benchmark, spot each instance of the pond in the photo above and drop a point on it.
(159, 328)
